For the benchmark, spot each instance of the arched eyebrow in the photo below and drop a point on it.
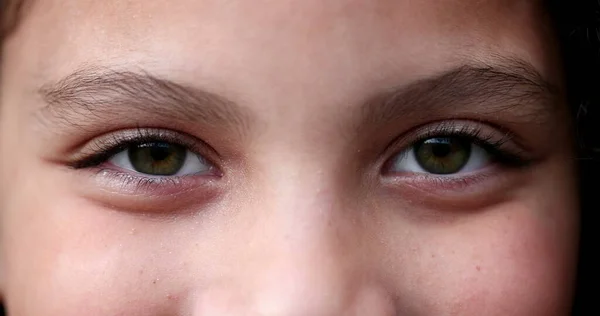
(98, 94)
(509, 86)
(103, 93)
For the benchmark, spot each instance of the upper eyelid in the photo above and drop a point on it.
(497, 142)
(508, 84)
(478, 130)
(119, 140)
(100, 92)
(103, 147)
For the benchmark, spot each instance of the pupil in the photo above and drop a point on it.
(159, 153)
(440, 149)
(443, 155)
(157, 158)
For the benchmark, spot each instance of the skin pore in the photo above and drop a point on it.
(298, 125)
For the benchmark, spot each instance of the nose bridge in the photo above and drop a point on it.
(318, 268)
(312, 241)
(300, 193)
(305, 217)
(302, 280)
(311, 271)
(305, 254)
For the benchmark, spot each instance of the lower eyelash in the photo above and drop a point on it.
(449, 182)
(128, 179)
(131, 184)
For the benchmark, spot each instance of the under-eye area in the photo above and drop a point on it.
(443, 138)
(454, 164)
(158, 163)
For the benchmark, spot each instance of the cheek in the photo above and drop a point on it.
(69, 257)
(66, 255)
(524, 267)
(514, 259)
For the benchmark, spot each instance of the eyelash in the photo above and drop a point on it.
(100, 151)
(482, 137)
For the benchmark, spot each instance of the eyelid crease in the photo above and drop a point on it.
(500, 144)
(101, 149)
(509, 89)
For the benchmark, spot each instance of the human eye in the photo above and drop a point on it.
(148, 160)
(455, 154)
(159, 159)
(442, 156)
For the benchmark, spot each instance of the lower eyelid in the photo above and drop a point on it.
(125, 192)
(131, 175)
(124, 182)
(468, 191)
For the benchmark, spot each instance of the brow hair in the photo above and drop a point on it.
(100, 94)
(104, 92)
(509, 84)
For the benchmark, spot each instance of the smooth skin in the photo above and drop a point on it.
(302, 211)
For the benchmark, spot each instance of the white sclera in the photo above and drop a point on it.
(193, 164)
(406, 161)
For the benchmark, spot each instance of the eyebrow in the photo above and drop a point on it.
(511, 84)
(101, 92)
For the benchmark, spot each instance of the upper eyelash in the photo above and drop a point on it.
(488, 141)
(475, 134)
(103, 150)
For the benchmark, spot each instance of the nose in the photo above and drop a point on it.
(300, 283)
(308, 258)
(319, 285)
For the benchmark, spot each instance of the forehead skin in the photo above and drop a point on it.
(304, 35)
(298, 241)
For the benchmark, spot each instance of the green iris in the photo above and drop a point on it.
(444, 155)
(160, 159)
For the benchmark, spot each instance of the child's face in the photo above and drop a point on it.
(293, 157)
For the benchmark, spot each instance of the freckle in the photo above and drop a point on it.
(478, 268)
(432, 256)
(141, 271)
